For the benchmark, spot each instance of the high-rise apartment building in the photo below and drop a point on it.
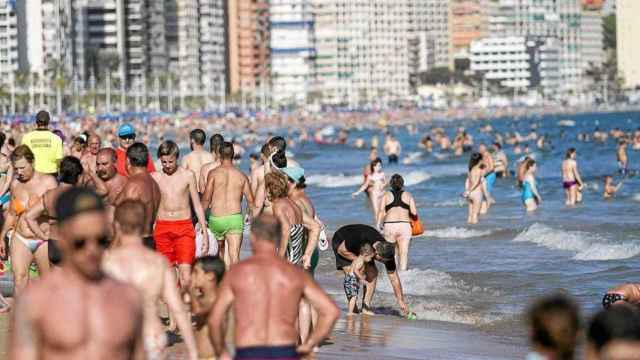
(9, 61)
(248, 45)
(544, 18)
(431, 17)
(517, 62)
(628, 33)
(292, 49)
(213, 46)
(591, 34)
(469, 22)
(362, 49)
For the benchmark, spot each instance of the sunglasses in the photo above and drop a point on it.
(103, 242)
(128, 137)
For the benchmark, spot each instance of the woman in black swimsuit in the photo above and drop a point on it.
(396, 211)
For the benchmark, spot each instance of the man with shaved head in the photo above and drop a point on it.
(105, 168)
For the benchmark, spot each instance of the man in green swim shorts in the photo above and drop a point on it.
(225, 188)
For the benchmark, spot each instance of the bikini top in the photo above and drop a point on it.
(397, 202)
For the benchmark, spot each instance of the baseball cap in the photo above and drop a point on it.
(126, 129)
(294, 172)
(77, 201)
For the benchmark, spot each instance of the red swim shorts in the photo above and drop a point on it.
(176, 239)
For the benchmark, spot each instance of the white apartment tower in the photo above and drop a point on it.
(212, 45)
(545, 18)
(429, 28)
(292, 50)
(628, 29)
(592, 37)
(8, 41)
(362, 50)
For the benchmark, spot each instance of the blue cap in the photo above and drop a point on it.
(294, 172)
(126, 129)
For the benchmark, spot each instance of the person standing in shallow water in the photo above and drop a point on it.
(394, 217)
(475, 188)
(571, 180)
(530, 196)
(374, 184)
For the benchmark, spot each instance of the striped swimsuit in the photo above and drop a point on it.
(297, 244)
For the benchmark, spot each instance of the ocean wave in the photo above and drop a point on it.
(636, 197)
(436, 295)
(456, 233)
(448, 203)
(337, 181)
(586, 246)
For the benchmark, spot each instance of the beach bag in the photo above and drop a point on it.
(213, 244)
(417, 228)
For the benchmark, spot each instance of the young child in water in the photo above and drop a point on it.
(356, 275)
(206, 275)
(610, 190)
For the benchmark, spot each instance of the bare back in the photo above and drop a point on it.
(143, 188)
(568, 170)
(195, 160)
(228, 185)
(145, 270)
(272, 289)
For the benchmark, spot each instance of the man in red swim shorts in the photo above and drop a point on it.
(174, 233)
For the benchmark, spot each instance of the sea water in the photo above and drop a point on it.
(486, 275)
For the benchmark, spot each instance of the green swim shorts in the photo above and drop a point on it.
(223, 225)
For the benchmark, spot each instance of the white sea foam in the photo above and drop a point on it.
(334, 181)
(448, 203)
(586, 246)
(567, 123)
(456, 233)
(636, 197)
(337, 181)
(436, 295)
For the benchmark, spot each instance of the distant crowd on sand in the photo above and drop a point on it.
(115, 259)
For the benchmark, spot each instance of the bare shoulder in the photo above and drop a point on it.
(48, 181)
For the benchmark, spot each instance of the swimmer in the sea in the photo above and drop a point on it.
(623, 159)
(610, 189)
(489, 175)
(571, 181)
(530, 196)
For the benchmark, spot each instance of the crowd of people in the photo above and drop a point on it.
(129, 255)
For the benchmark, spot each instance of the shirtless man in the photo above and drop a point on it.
(198, 157)
(93, 316)
(26, 190)
(225, 188)
(571, 180)
(623, 159)
(501, 161)
(134, 264)
(215, 143)
(89, 158)
(208, 272)
(69, 174)
(272, 288)
(489, 175)
(392, 149)
(141, 186)
(625, 293)
(174, 233)
(257, 181)
(105, 169)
